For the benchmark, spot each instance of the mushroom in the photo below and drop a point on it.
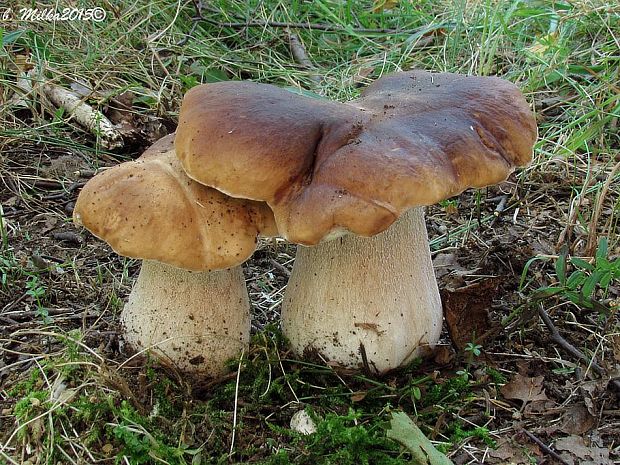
(189, 303)
(338, 175)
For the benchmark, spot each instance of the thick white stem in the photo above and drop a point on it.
(378, 293)
(196, 320)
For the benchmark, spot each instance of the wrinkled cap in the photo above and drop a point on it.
(411, 139)
(150, 209)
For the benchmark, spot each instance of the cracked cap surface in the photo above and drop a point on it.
(150, 209)
(411, 139)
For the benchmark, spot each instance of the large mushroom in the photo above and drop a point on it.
(348, 171)
(189, 304)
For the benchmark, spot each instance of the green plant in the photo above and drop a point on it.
(585, 285)
(349, 439)
(37, 291)
(473, 349)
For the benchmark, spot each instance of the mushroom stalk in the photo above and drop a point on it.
(196, 320)
(357, 298)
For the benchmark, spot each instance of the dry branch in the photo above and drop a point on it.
(544, 447)
(85, 115)
(301, 56)
(572, 350)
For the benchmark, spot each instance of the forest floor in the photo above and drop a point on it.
(527, 370)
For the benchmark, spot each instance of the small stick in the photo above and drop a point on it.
(301, 56)
(10, 305)
(545, 448)
(91, 119)
(27, 314)
(67, 236)
(365, 363)
(198, 6)
(69, 190)
(572, 350)
(280, 267)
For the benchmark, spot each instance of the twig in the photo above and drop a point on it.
(368, 371)
(280, 267)
(68, 236)
(87, 116)
(545, 448)
(64, 315)
(198, 6)
(301, 56)
(572, 350)
(10, 305)
(69, 190)
(592, 236)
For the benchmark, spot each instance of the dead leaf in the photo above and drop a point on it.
(577, 420)
(588, 454)
(525, 389)
(49, 223)
(81, 88)
(23, 63)
(63, 166)
(593, 391)
(509, 452)
(538, 407)
(466, 310)
(120, 112)
(445, 263)
(443, 355)
(358, 396)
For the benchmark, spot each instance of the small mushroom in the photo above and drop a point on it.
(350, 180)
(189, 303)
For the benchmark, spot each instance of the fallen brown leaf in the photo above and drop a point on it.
(466, 310)
(511, 452)
(525, 389)
(577, 420)
(592, 393)
(443, 355)
(576, 447)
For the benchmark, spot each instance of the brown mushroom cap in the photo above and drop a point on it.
(150, 209)
(411, 139)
